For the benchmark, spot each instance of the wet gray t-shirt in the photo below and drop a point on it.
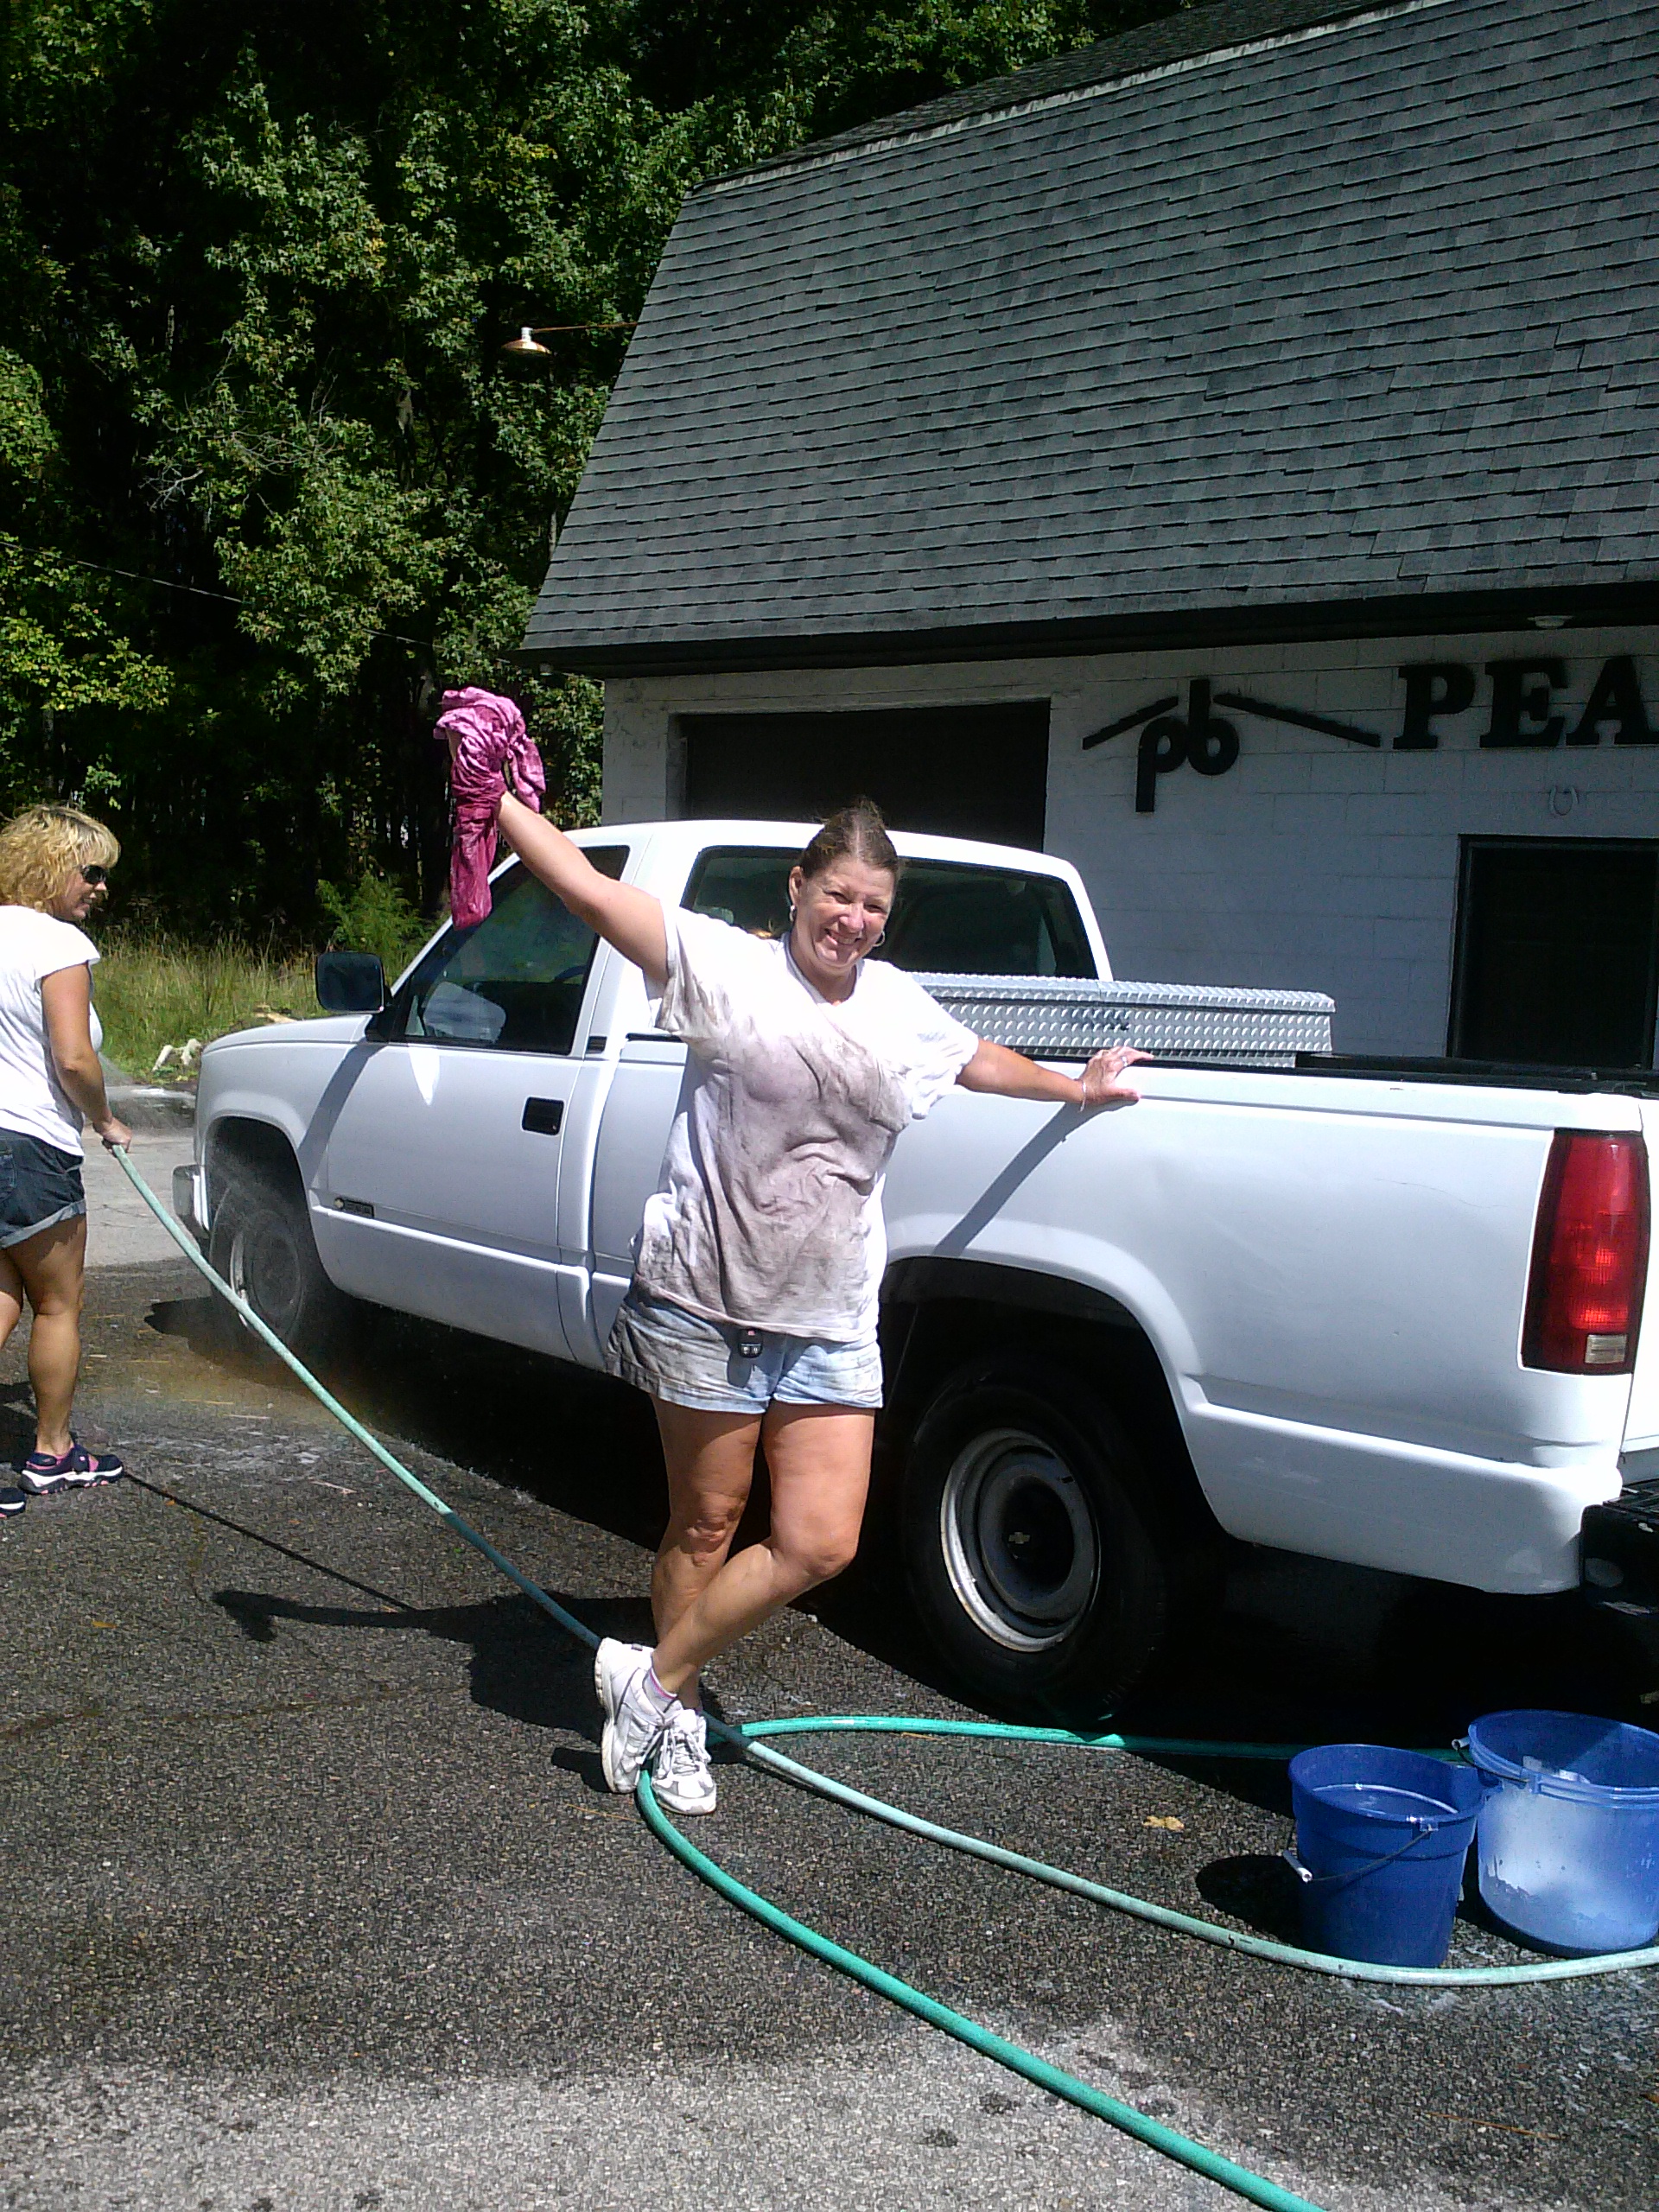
(769, 1209)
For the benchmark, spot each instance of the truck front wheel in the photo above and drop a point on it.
(1034, 1555)
(261, 1243)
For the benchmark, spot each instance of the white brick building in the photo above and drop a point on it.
(1225, 457)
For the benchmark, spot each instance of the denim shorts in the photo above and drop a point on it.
(689, 1361)
(39, 1187)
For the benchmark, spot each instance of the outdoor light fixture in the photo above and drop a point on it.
(527, 344)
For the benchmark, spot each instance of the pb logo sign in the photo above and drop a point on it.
(1200, 739)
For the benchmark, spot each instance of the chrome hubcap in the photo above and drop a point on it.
(1020, 1542)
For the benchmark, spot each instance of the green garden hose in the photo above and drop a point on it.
(1202, 2160)
(1184, 1924)
(750, 1738)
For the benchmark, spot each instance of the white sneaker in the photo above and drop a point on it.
(634, 1721)
(681, 1773)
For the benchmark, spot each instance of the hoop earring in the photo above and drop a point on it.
(881, 939)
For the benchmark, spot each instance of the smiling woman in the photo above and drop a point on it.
(751, 1319)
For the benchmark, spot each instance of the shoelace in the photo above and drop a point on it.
(682, 1751)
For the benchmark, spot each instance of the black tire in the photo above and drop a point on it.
(1040, 1563)
(261, 1243)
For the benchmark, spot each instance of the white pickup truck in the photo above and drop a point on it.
(1383, 1314)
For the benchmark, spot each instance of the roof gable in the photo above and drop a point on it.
(1325, 318)
(1196, 33)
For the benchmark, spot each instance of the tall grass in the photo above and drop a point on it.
(153, 991)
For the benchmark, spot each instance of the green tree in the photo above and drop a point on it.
(269, 482)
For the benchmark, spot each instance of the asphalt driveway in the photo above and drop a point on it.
(316, 1898)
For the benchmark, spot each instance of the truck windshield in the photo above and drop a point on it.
(950, 918)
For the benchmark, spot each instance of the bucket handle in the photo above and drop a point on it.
(1532, 1780)
(1489, 1782)
(1307, 1875)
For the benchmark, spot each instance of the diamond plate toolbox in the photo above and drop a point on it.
(1056, 1019)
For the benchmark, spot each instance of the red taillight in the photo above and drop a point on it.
(1589, 1257)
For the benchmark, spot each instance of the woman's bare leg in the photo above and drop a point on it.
(710, 1462)
(819, 1459)
(11, 1297)
(53, 1266)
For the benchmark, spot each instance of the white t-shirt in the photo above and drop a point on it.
(32, 1100)
(769, 1209)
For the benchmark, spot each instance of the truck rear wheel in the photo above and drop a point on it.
(261, 1243)
(1036, 1559)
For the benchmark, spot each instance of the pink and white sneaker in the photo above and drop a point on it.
(79, 1469)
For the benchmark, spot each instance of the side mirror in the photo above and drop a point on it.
(350, 983)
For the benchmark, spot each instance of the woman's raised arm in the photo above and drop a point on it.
(624, 917)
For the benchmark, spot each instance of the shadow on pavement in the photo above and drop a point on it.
(1258, 1888)
(524, 1666)
(16, 1423)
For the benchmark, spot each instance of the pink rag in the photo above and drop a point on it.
(490, 731)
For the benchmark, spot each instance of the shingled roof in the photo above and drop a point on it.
(1265, 319)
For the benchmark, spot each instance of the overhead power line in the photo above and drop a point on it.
(196, 591)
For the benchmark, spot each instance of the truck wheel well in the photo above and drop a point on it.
(939, 1336)
(251, 1149)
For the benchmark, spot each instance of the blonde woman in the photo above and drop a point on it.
(54, 867)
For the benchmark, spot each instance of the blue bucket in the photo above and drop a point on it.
(1381, 1839)
(1569, 1830)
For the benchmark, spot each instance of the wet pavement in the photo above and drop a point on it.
(317, 1899)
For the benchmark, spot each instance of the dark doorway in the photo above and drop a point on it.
(1557, 952)
(956, 771)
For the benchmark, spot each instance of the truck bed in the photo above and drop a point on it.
(1502, 1075)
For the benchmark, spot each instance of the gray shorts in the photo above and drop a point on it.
(687, 1360)
(39, 1187)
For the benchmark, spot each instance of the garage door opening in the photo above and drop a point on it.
(1557, 953)
(953, 772)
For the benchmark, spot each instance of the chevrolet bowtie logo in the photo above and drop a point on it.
(1200, 738)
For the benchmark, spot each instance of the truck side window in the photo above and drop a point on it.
(950, 918)
(516, 981)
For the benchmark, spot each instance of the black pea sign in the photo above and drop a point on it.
(1527, 712)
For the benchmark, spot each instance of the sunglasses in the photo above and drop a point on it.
(96, 876)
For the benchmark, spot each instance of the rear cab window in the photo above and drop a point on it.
(950, 918)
